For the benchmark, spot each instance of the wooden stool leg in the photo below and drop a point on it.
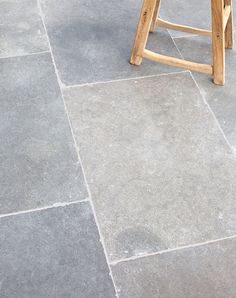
(229, 30)
(156, 15)
(143, 31)
(218, 41)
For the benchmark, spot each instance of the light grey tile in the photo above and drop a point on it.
(202, 272)
(39, 164)
(160, 172)
(53, 253)
(21, 28)
(221, 99)
(92, 40)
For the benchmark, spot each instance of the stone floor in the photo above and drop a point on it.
(116, 180)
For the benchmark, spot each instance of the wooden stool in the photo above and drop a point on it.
(221, 34)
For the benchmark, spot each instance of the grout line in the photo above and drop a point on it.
(55, 205)
(86, 182)
(214, 116)
(90, 200)
(78, 154)
(208, 106)
(49, 44)
(25, 55)
(113, 263)
(121, 80)
(175, 44)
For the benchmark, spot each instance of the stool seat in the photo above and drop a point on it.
(221, 35)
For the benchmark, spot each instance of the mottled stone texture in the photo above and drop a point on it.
(200, 272)
(39, 163)
(92, 40)
(21, 30)
(159, 169)
(53, 253)
(221, 99)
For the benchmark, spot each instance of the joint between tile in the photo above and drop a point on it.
(25, 55)
(114, 263)
(61, 85)
(204, 100)
(55, 205)
(65, 87)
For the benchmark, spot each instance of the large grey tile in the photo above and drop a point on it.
(201, 272)
(92, 40)
(21, 29)
(53, 253)
(39, 164)
(160, 172)
(221, 99)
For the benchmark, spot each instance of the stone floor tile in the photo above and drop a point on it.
(21, 30)
(221, 99)
(200, 272)
(92, 40)
(39, 163)
(160, 172)
(53, 253)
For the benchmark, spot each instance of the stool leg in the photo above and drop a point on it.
(218, 41)
(143, 31)
(156, 15)
(229, 30)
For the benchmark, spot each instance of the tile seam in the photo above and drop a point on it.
(55, 205)
(65, 87)
(176, 249)
(207, 105)
(77, 150)
(25, 55)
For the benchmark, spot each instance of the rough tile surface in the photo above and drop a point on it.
(21, 28)
(39, 164)
(200, 272)
(92, 40)
(160, 171)
(221, 99)
(53, 253)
